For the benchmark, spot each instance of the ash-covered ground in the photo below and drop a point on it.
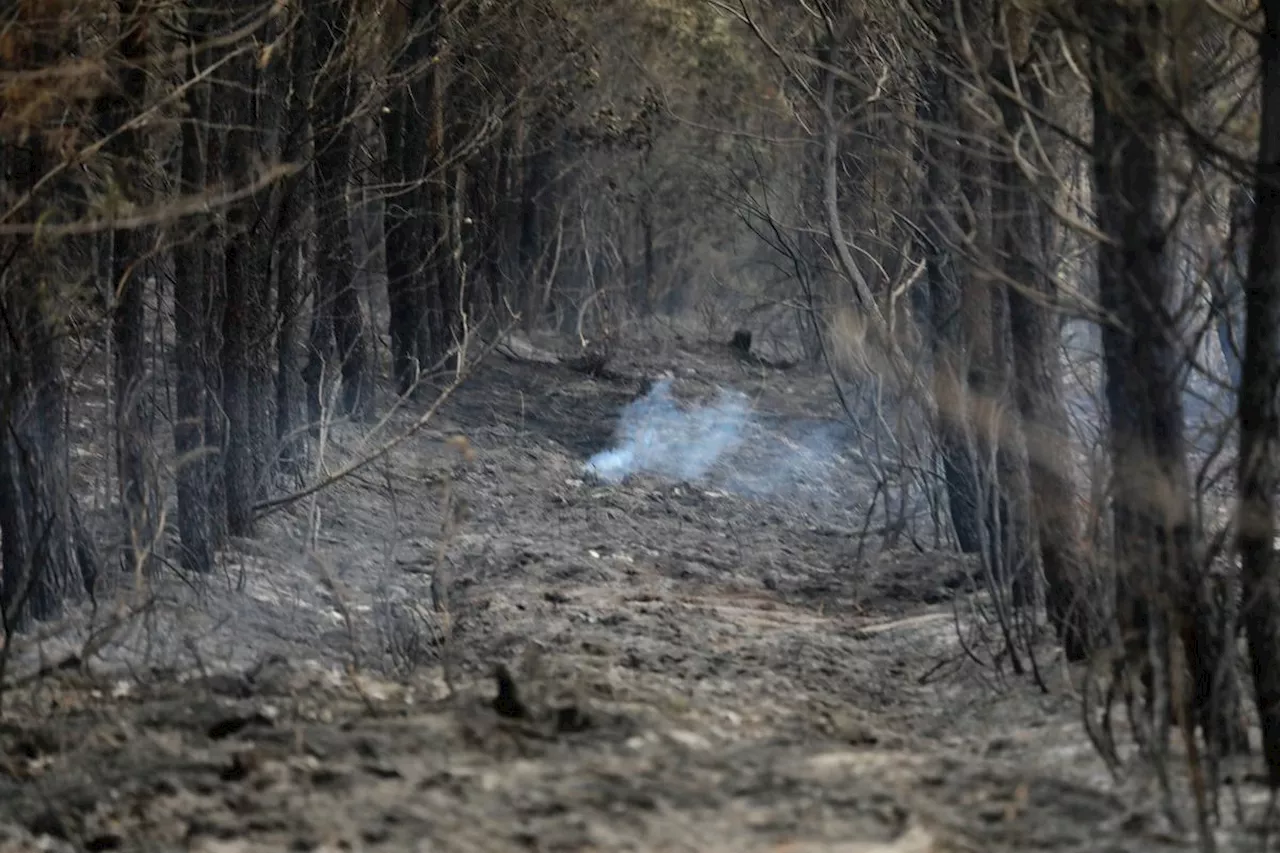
(712, 648)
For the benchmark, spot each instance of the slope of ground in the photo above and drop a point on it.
(695, 667)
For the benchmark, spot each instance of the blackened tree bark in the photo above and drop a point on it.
(420, 170)
(318, 372)
(1259, 411)
(47, 556)
(948, 275)
(944, 287)
(399, 257)
(991, 418)
(443, 234)
(511, 197)
(294, 276)
(243, 306)
(367, 215)
(129, 265)
(958, 469)
(979, 429)
(214, 263)
(457, 297)
(337, 297)
(1020, 221)
(489, 193)
(268, 108)
(535, 191)
(246, 351)
(400, 231)
(405, 128)
(188, 306)
(1013, 536)
(1162, 599)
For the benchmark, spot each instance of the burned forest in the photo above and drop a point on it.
(698, 425)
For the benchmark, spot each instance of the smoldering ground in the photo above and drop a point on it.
(725, 443)
(748, 679)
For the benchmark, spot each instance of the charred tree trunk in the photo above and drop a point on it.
(419, 168)
(1133, 283)
(294, 272)
(403, 315)
(458, 298)
(317, 373)
(405, 233)
(1259, 469)
(47, 556)
(511, 202)
(367, 219)
(497, 202)
(1020, 245)
(1014, 535)
(188, 308)
(137, 492)
(268, 108)
(293, 282)
(214, 262)
(350, 332)
(996, 430)
(947, 276)
(446, 299)
(244, 310)
(980, 432)
(1163, 602)
(339, 337)
(483, 205)
(535, 188)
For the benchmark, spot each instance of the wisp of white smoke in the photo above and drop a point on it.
(726, 444)
(655, 436)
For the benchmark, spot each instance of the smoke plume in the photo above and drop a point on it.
(726, 444)
(655, 436)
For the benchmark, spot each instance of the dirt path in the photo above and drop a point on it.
(702, 670)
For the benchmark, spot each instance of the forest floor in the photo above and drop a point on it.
(704, 667)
